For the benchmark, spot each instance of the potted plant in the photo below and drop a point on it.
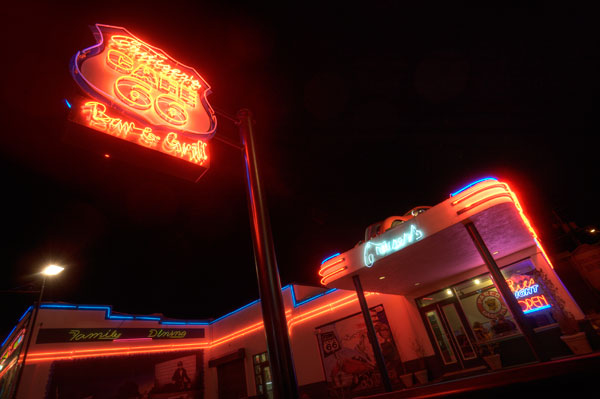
(488, 350)
(421, 374)
(489, 353)
(405, 377)
(575, 339)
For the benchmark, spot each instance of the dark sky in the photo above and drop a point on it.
(362, 112)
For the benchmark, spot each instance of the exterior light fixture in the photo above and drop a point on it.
(477, 281)
(381, 277)
(449, 292)
(417, 284)
(495, 253)
(52, 270)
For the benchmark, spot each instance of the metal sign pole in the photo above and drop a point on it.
(278, 342)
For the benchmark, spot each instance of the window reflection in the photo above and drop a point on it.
(262, 376)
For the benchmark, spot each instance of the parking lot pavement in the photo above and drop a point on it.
(571, 375)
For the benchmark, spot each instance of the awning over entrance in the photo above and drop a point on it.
(434, 245)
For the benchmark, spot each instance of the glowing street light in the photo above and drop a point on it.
(52, 270)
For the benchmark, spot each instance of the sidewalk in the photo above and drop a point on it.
(575, 375)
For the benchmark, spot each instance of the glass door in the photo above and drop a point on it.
(440, 337)
(452, 341)
(460, 336)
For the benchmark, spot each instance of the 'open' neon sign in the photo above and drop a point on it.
(374, 251)
(525, 291)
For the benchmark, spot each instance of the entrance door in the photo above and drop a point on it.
(231, 378)
(453, 342)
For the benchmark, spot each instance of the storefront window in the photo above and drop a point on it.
(485, 309)
(262, 376)
(476, 305)
(521, 279)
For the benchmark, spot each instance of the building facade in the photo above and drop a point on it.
(433, 300)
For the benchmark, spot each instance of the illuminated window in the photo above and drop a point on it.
(521, 278)
(262, 376)
(482, 303)
(484, 307)
(476, 316)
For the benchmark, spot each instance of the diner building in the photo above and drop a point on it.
(445, 288)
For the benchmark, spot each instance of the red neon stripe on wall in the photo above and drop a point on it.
(483, 201)
(329, 266)
(515, 200)
(341, 269)
(252, 328)
(471, 194)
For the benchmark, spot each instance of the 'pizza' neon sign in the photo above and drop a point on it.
(143, 95)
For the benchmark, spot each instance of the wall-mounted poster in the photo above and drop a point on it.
(173, 375)
(347, 355)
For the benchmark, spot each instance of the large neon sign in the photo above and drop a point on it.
(143, 95)
(57, 335)
(373, 251)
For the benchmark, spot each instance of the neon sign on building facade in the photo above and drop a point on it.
(142, 95)
(526, 292)
(374, 251)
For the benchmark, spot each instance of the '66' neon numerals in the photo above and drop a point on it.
(137, 94)
(149, 83)
(133, 92)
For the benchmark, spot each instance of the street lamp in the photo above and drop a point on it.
(50, 270)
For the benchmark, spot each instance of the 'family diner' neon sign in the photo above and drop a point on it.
(375, 251)
(140, 91)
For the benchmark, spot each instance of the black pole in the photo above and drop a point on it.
(505, 292)
(31, 329)
(385, 377)
(269, 285)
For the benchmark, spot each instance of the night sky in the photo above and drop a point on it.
(362, 112)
